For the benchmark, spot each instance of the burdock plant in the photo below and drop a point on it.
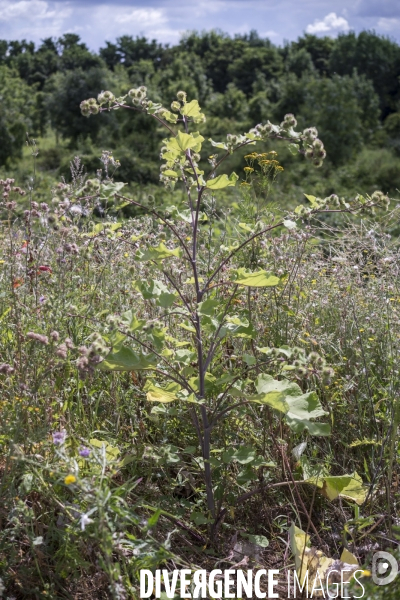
(203, 288)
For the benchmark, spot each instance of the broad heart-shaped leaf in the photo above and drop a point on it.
(128, 360)
(131, 321)
(157, 290)
(257, 279)
(222, 181)
(191, 109)
(208, 307)
(287, 397)
(156, 394)
(158, 253)
(110, 189)
(186, 141)
(349, 487)
(170, 173)
(237, 327)
(170, 116)
(244, 455)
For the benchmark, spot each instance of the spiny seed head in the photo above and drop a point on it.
(327, 372)
(310, 133)
(320, 154)
(132, 93)
(318, 162)
(313, 357)
(290, 120)
(175, 106)
(94, 109)
(92, 101)
(85, 108)
(181, 96)
(108, 96)
(334, 200)
(309, 153)
(318, 145)
(143, 89)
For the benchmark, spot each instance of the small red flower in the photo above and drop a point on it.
(45, 268)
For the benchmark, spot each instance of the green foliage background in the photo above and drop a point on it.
(349, 87)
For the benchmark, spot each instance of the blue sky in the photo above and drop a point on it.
(96, 20)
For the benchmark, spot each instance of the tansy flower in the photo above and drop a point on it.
(69, 479)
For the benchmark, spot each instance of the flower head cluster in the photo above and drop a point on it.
(59, 438)
(37, 337)
(89, 107)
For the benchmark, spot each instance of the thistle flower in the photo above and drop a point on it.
(42, 339)
(6, 369)
(84, 452)
(62, 351)
(59, 437)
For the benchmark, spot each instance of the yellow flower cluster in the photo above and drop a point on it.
(69, 479)
(266, 160)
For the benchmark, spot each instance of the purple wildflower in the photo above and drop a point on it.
(84, 452)
(59, 437)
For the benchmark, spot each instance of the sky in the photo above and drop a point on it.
(96, 21)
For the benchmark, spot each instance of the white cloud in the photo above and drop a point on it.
(32, 10)
(331, 24)
(388, 24)
(143, 17)
(269, 34)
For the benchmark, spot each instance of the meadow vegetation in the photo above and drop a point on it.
(194, 366)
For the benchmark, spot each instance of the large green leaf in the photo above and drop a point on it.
(184, 141)
(131, 321)
(170, 116)
(156, 290)
(244, 455)
(158, 253)
(237, 327)
(222, 181)
(287, 398)
(349, 487)
(258, 279)
(156, 394)
(128, 360)
(111, 188)
(191, 109)
(208, 307)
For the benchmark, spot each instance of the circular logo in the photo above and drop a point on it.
(384, 568)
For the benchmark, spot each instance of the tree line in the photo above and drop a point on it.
(348, 86)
